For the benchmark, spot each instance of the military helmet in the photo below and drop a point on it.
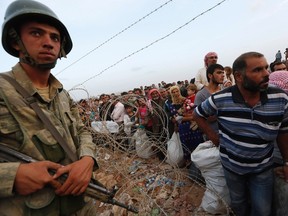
(20, 10)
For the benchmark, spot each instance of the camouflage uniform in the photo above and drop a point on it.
(21, 129)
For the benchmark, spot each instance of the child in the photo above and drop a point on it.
(129, 119)
(144, 115)
(191, 92)
(129, 125)
(188, 105)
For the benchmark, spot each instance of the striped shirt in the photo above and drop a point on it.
(247, 133)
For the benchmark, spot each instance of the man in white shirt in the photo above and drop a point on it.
(200, 78)
(118, 112)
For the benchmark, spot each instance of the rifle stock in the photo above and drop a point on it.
(94, 190)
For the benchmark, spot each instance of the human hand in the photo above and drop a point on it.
(79, 175)
(34, 176)
(179, 119)
(214, 138)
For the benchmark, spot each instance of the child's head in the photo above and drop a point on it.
(141, 101)
(128, 108)
(191, 89)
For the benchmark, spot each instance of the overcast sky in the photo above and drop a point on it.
(233, 27)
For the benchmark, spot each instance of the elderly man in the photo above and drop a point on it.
(200, 77)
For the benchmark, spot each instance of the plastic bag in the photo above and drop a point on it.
(175, 154)
(142, 144)
(280, 197)
(206, 157)
(105, 126)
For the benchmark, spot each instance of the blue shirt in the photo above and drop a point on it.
(247, 133)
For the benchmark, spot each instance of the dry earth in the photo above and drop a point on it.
(152, 186)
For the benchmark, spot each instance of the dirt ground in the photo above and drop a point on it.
(151, 185)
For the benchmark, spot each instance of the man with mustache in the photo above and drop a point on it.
(200, 77)
(251, 116)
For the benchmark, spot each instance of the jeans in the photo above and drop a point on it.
(250, 194)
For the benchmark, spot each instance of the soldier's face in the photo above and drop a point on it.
(41, 41)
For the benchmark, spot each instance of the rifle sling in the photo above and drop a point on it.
(46, 121)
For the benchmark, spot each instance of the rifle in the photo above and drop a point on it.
(94, 190)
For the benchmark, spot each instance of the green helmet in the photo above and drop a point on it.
(20, 10)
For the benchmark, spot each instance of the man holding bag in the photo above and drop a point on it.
(251, 116)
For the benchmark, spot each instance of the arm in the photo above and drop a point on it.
(205, 127)
(79, 176)
(34, 176)
(201, 96)
(127, 121)
(25, 179)
(198, 81)
(118, 112)
(79, 172)
(7, 176)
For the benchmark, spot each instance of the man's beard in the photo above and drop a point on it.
(252, 86)
(216, 82)
(156, 98)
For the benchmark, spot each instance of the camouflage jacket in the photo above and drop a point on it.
(21, 129)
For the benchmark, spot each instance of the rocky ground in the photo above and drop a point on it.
(151, 185)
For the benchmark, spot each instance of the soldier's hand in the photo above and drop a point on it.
(34, 176)
(79, 175)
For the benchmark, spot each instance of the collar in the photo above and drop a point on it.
(238, 98)
(22, 78)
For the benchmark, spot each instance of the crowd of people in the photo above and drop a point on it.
(147, 107)
(242, 108)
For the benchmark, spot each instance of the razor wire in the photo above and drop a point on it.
(149, 45)
(151, 184)
(114, 36)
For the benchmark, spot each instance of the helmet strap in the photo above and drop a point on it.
(62, 52)
(27, 58)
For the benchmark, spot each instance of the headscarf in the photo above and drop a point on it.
(279, 79)
(209, 55)
(176, 100)
(151, 91)
(149, 103)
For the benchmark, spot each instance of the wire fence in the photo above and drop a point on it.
(150, 184)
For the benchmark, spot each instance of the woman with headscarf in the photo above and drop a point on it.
(189, 138)
(158, 116)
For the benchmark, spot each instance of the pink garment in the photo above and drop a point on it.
(150, 92)
(209, 55)
(279, 79)
(150, 98)
(144, 116)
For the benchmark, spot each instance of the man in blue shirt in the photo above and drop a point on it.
(251, 116)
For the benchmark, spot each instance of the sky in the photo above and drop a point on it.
(122, 44)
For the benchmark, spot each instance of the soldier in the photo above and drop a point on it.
(34, 34)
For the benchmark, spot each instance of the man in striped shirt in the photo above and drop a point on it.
(251, 116)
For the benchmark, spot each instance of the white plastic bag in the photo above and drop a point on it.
(280, 197)
(105, 126)
(175, 154)
(206, 157)
(142, 144)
